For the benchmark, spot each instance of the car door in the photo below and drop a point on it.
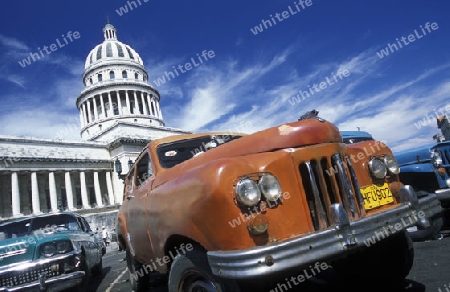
(139, 186)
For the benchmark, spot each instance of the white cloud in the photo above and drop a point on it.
(13, 43)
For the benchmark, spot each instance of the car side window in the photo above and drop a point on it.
(86, 225)
(144, 169)
(130, 182)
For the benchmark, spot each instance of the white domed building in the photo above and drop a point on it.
(119, 114)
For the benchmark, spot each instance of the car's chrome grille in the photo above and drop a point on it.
(29, 275)
(327, 181)
(445, 153)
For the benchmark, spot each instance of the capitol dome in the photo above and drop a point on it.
(111, 50)
(117, 101)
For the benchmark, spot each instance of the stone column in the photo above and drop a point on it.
(149, 103)
(69, 191)
(36, 204)
(111, 108)
(128, 102)
(95, 108)
(109, 187)
(98, 193)
(15, 194)
(84, 114)
(102, 105)
(89, 110)
(119, 103)
(158, 110)
(52, 189)
(84, 197)
(81, 117)
(136, 103)
(144, 105)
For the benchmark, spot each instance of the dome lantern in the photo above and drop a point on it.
(109, 32)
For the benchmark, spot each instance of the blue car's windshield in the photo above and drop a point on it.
(52, 223)
(15, 229)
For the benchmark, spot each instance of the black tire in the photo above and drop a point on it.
(429, 233)
(390, 259)
(191, 272)
(139, 277)
(98, 268)
(83, 286)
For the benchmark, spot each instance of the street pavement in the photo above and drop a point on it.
(431, 272)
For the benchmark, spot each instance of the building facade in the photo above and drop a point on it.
(119, 114)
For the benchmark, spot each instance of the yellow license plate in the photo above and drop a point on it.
(375, 196)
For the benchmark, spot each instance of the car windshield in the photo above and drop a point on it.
(356, 140)
(174, 153)
(53, 223)
(14, 229)
(60, 222)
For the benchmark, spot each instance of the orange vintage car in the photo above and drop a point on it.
(217, 211)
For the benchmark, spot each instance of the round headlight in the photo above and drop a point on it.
(377, 168)
(247, 192)
(436, 158)
(63, 246)
(270, 187)
(391, 164)
(48, 250)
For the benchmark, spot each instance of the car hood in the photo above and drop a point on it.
(291, 135)
(418, 155)
(23, 249)
(15, 250)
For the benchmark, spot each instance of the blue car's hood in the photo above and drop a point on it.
(23, 249)
(418, 155)
(15, 250)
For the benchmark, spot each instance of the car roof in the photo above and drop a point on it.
(355, 134)
(174, 138)
(29, 217)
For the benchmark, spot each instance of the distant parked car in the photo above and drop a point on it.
(51, 252)
(410, 174)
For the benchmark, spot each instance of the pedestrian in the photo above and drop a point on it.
(105, 235)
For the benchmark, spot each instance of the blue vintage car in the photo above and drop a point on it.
(51, 252)
(426, 169)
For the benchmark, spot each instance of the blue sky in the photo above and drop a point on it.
(250, 82)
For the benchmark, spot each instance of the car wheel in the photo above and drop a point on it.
(391, 259)
(83, 286)
(191, 272)
(139, 276)
(98, 269)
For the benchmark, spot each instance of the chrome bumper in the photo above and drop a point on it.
(443, 194)
(51, 284)
(340, 239)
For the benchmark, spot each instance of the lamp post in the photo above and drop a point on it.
(118, 168)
